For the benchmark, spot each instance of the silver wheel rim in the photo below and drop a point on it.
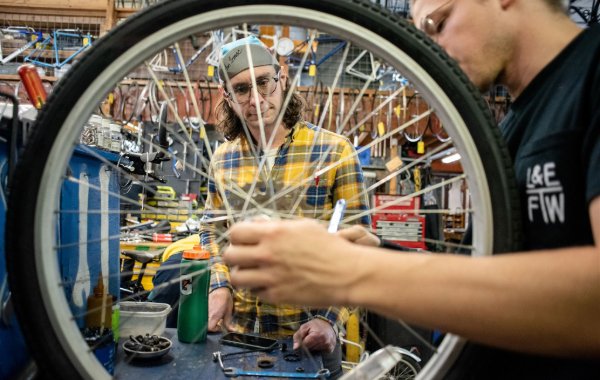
(47, 203)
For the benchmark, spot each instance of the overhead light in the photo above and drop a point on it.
(451, 158)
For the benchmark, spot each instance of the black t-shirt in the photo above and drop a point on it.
(553, 134)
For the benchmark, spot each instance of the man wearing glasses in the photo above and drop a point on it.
(272, 161)
(533, 314)
(551, 68)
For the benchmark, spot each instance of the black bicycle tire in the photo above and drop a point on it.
(439, 132)
(372, 122)
(318, 107)
(311, 93)
(199, 96)
(29, 302)
(127, 119)
(420, 130)
(120, 106)
(351, 98)
(118, 100)
(203, 98)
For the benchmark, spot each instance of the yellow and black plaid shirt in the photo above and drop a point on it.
(312, 170)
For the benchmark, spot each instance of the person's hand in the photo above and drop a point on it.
(293, 261)
(315, 335)
(220, 308)
(359, 235)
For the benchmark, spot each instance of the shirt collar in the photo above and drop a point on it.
(289, 138)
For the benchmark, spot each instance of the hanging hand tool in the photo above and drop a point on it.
(234, 372)
(184, 159)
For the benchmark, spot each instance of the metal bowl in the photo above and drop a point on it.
(139, 350)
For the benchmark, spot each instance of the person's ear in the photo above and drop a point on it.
(222, 94)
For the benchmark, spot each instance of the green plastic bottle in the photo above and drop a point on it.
(192, 321)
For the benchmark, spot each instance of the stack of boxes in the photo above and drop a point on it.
(165, 205)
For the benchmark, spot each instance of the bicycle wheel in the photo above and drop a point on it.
(437, 129)
(406, 369)
(64, 206)
(415, 108)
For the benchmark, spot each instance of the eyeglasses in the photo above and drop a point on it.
(243, 91)
(433, 23)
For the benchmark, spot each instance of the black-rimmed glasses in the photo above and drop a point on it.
(243, 91)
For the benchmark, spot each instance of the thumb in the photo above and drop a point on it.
(299, 336)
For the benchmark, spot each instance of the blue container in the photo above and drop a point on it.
(90, 166)
(12, 344)
(104, 347)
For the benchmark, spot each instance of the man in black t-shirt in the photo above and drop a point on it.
(552, 69)
(533, 314)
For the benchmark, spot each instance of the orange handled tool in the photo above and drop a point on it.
(33, 84)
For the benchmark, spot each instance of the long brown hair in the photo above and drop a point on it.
(231, 126)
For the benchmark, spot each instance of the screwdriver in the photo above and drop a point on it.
(336, 218)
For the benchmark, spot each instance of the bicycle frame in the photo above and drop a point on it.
(178, 68)
(312, 60)
(34, 57)
(156, 65)
(31, 35)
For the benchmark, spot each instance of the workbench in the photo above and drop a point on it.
(195, 361)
